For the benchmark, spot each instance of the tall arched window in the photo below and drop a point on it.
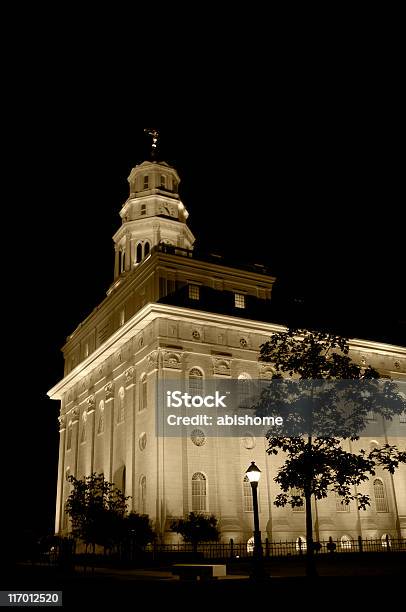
(138, 253)
(121, 405)
(195, 381)
(248, 505)
(143, 494)
(143, 397)
(199, 492)
(100, 426)
(147, 248)
(380, 497)
(244, 390)
(69, 436)
(84, 433)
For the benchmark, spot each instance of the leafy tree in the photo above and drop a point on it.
(96, 508)
(324, 398)
(197, 528)
(137, 531)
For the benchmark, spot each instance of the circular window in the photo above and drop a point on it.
(248, 441)
(196, 334)
(243, 343)
(198, 438)
(142, 441)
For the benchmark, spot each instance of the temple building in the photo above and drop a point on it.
(173, 313)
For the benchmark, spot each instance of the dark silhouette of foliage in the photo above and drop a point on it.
(97, 509)
(324, 398)
(197, 528)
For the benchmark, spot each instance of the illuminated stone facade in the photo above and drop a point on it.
(171, 313)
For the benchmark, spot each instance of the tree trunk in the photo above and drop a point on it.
(310, 562)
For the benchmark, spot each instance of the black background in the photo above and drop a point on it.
(313, 190)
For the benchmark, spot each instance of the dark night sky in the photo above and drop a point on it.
(316, 197)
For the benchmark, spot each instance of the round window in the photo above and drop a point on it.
(142, 441)
(198, 438)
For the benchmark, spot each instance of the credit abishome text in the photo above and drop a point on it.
(225, 420)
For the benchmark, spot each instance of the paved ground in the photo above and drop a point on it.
(348, 580)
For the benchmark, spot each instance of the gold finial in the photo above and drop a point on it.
(155, 135)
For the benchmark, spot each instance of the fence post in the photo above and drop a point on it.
(266, 547)
(360, 544)
(231, 547)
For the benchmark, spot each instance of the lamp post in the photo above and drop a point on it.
(254, 474)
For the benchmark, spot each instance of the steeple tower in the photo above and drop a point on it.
(152, 215)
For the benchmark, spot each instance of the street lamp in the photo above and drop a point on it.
(254, 474)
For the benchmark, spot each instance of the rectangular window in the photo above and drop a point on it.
(146, 182)
(143, 209)
(239, 300)
(87, 349)
(194, 292)
(402, 417)
(163, 181)
(371, 416)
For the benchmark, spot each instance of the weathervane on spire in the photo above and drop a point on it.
(155, 135)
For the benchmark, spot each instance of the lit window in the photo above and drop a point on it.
(345, 542)
(199, 492)
(301, 544)
(143, 494)
(297, 493)
(120, 413)
(194, 292)
(146, 182)
(195, 381)
(143, 398)
(250, 545)
(380, 497)
(239, 300)
(100, 426)
(386, 540)
(341, 506)
(247, 492)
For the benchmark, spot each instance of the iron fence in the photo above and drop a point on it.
(241, 550)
